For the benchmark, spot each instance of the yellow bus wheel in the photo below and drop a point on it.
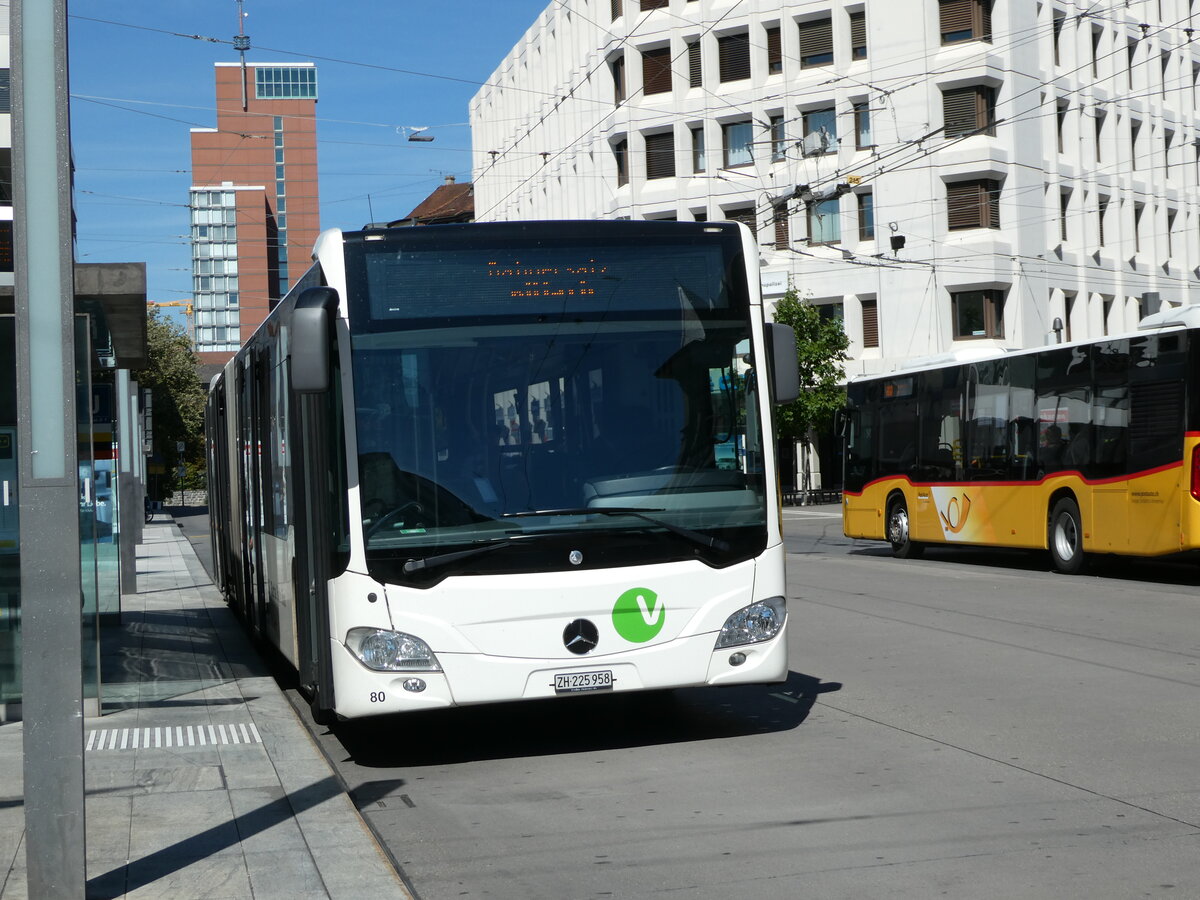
(1065, 537)
(903, 546)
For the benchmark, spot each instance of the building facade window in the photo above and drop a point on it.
(870, 322)
(816, 43)
(614, 9)
(215, 270)
(973, 204)
(774, 51)
(656, 71)
(621, 158)
(969, 110)
(820, 131)
(695, 69)
(778, 141)
(832, 312)
(782, 236)
(737, 144)
(618, 77)
(1101, 217)
(660, 155)
(863, 139)
(285, 82)
(746, 216)
(858, 35)
(5, 91)
(977, 315)
(965, 20)
(733, 57)
(699, 158)
(866, 216)
(824, 221)
(1064, 208)
(647, 5)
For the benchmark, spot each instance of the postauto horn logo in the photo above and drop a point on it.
(638, 615)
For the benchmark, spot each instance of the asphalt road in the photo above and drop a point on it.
(966, 725)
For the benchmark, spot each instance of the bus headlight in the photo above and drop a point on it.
(391, 651)
(760, 621)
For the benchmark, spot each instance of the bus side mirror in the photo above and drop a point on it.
(841, 422)
(312, 321)
(785, 365)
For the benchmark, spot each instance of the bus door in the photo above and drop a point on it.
(1159, 490)
(316, 445)
(249, 439)
(1108, 470)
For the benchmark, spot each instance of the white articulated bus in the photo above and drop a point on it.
(465, 464)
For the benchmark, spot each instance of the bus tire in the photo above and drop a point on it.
(1065, 537)
(898, 534)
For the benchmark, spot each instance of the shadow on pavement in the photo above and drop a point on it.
(143, 872)
(1181, 569)
(578, 724)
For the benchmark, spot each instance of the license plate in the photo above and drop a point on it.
(574, 682)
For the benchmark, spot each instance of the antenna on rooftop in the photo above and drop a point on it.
(241, 43)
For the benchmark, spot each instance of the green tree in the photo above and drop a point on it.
(178, 404)
(821, 349)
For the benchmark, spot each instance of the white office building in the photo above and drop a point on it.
(941, 174)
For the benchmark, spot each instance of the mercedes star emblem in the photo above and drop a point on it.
(581, 636)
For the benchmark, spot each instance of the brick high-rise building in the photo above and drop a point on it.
(254, 202)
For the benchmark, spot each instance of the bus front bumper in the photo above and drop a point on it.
(470, 678)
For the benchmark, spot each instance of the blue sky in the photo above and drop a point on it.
(137, 87)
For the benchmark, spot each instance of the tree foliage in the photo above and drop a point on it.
(821, 348)
(178, 403)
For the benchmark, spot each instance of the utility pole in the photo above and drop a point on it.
(51, 628)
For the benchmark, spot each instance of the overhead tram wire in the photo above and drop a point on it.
(1035, 33)
(527, 90)
(599, 122)
(840, 174)
(922, 154)
(313, 56)
(669, 116)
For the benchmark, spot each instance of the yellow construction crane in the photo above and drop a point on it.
(187, 311)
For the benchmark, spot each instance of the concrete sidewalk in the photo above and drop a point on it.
(201, 781)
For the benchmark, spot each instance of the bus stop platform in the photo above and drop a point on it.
(200, 779)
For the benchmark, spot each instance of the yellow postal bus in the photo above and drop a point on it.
(1076, 448)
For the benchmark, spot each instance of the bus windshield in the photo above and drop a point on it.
(513, 390)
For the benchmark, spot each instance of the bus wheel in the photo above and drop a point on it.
(1066, 537)
(903, 547)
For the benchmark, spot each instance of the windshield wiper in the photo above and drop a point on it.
(695, 537)
(440, 559)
